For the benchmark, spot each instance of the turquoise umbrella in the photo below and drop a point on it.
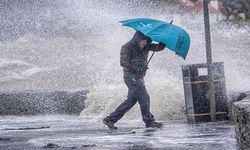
(175, 38)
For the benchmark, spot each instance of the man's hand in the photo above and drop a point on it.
(156, 47)
(144, 68)
(141, 69)
(162, 45)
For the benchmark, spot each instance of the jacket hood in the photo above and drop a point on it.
(138, 36)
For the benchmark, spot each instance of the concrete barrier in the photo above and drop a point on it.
(234, 97)
(42, 102)
(241, 115)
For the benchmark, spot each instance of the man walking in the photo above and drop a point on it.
(134, 60)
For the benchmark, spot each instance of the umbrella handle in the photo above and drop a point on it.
(150, 57)
(154, 51)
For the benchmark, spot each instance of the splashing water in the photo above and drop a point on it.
(76, 45)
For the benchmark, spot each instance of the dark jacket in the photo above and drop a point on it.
(133, 58)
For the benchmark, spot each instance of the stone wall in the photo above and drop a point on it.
(232, 10)
(42, 102)
(235, 9)
(241, 114)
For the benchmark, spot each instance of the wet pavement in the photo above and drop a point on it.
(74, 132)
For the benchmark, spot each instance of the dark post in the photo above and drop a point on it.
(209, 61)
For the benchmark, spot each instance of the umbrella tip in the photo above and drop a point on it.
(171, 21)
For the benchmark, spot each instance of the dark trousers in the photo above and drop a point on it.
(136, 92)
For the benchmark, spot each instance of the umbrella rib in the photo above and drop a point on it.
(155, 28)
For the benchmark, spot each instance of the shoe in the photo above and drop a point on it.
(109, 123)
(154, 124)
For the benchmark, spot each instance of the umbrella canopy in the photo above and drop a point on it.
(175, 38)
